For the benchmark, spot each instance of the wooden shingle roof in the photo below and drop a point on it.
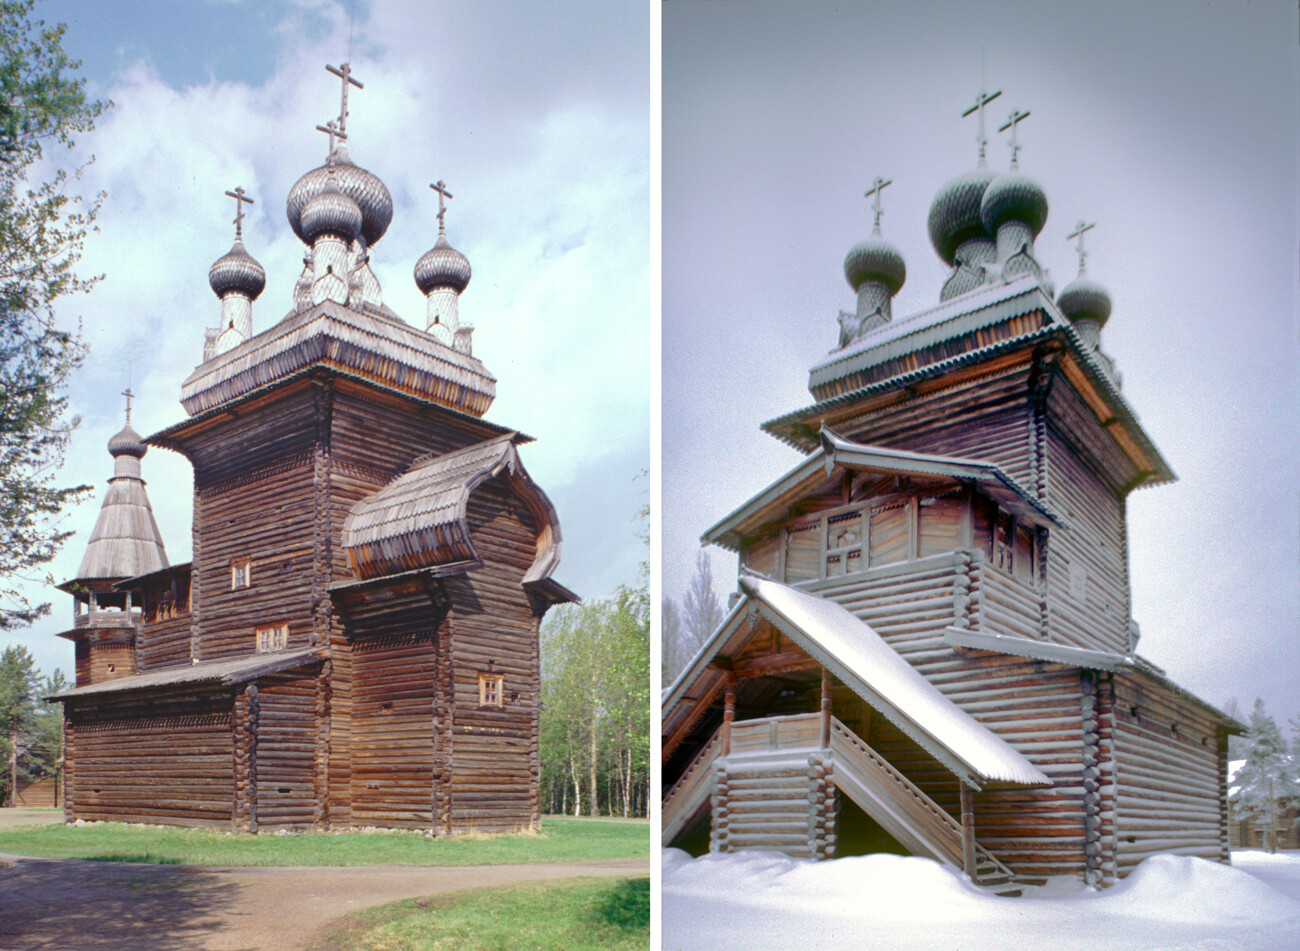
(419, 519)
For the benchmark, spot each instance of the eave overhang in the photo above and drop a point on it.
(900, 342)
(751, 518)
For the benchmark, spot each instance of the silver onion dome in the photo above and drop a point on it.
(1014, 197)
(330, 211)
(442, 266)
(955, 212)
(875, 260)
(369, 193)
(127, 443)
(237, 270)
(1084, 298)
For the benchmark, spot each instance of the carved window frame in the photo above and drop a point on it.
(241, 573)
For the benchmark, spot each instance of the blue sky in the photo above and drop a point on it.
(540, 134)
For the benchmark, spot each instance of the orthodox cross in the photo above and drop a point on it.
(441, 188)
(982, 100)
(1079, 230)
(344, 73)
(240, 199)
(876, 188)
(129, 396)
(331, 129)
(1012, 122)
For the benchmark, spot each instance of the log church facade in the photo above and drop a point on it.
(932, 650)
(355, 642)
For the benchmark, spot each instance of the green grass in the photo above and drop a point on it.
(577, 915)
(561, 840)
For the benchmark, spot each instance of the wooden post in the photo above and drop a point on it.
(968, 832)
(826, 709)
(728, 713)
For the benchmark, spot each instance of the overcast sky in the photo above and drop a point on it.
(536, 117)
(1171, 125)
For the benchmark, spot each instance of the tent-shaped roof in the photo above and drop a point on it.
(125, 541)
(865, 663)
(419, 519)
(749, 519)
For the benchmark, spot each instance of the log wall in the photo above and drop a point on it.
(287, 751)
(494, 755)
(156, 757)
(1170, 776)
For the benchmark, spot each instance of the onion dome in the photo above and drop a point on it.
(237, 271)
(127, 443)
(955, 212)
(875, 260)
(442, 266)
(1085, 299)
(330, 211)
(1014, 197)
(366, 190)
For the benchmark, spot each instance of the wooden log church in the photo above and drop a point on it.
(932, 650)
(355, 642)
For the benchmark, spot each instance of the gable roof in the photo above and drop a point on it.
(864, 662)
(419, 519)
(836, 451)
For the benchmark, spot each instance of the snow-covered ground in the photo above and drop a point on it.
(754, 901)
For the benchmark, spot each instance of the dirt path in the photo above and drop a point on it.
(76, 905)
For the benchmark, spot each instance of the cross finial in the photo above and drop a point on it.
(129, 396)
(1079, 231)
(331, 129)
(240, 200)
(982, 100)
(441, 188)
(344, 73)
(876, 188)
(1012, 122)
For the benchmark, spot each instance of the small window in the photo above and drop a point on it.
(241, 574)
(271, 639)
(490, 690)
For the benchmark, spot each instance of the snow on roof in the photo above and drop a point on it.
(864, 661)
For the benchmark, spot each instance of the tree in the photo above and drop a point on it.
(42, 228)
(1268, 775)
(670, 642)
(701, 610)
(18, 689)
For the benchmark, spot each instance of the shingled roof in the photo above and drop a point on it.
(419, 519)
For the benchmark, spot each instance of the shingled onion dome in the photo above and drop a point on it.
(957, 231)
(1087, 304)
(368, 193)
(876, 271)
(127, 443)
(1014, 209)
(237, 280)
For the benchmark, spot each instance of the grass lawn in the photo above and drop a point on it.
(576, 915)
(561, 840)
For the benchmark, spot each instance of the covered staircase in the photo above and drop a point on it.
(776, 790)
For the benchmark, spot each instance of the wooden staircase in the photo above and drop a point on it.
(777, 792)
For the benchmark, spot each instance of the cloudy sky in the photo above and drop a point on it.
(539, 130)
(1171, 125)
